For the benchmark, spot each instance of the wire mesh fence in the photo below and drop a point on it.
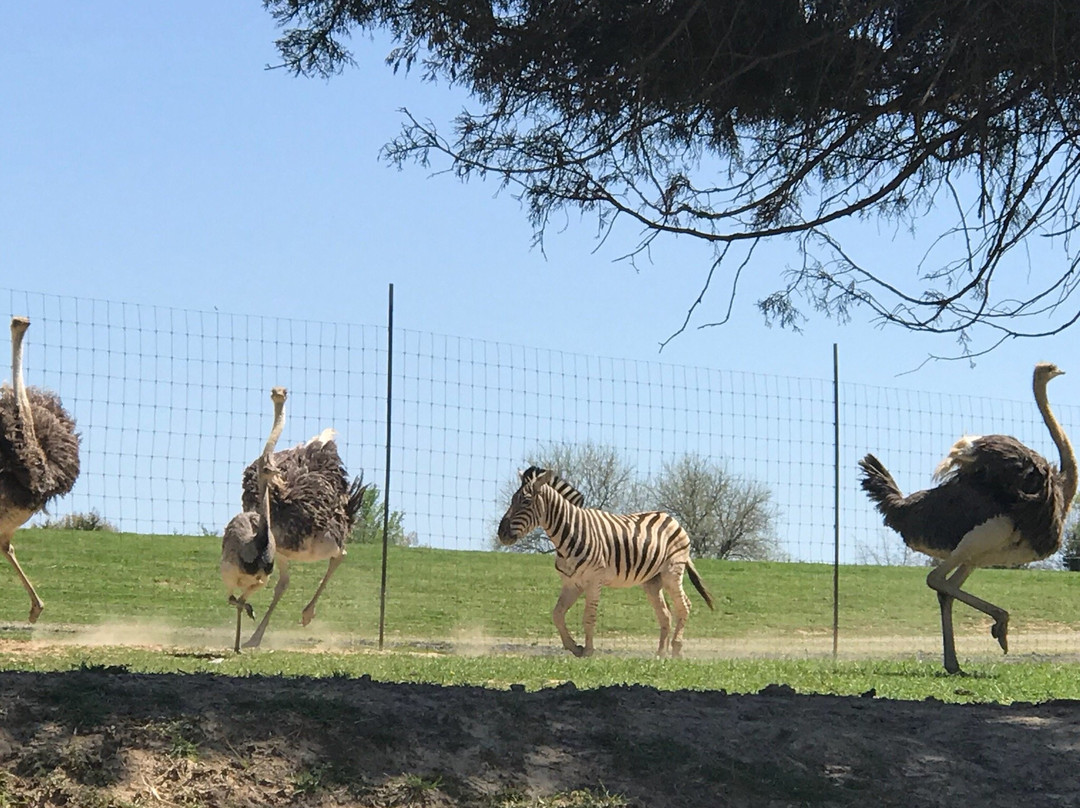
(172, 405)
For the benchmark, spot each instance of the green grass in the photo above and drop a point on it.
(91, 578)
(1001, 682)
(106, 591)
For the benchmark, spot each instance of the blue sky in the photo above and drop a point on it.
(149, 156)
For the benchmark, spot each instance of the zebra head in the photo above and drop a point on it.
(523, 514)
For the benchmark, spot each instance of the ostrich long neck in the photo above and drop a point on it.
(275, 430)
(263, 477)
(264, 512)
(22, 400)
(1068, 459)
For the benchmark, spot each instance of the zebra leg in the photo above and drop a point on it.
(567, 598)
(663, 616)
(588, 618)
(672, 581)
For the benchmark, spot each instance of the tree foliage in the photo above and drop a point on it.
(737, 121)
(726, 517)
(1070, 546)
(369, 523)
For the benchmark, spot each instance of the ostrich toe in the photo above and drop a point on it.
(1000, 632)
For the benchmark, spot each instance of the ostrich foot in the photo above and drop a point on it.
(576, 650)
(35, 611)
(1000, 632)
(307, 615)
(239, 604)
(254, 641)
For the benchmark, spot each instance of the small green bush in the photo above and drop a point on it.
(79, 521)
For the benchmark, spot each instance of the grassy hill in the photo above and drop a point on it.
(445, 596)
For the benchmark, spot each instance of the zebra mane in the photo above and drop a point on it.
(561, 486)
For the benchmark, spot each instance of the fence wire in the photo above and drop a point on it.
(172, 404)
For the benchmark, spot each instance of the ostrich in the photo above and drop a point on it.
(998, 503)
(39, 455)
(312, 507)
(248, 544)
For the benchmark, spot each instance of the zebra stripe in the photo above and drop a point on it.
(594, 549)
(567, 491)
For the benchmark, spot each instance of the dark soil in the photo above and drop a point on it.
(101, 737)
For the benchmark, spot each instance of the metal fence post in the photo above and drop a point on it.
(836, 501)
(386, 480)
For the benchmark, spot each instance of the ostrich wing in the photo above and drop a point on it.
(1000, 464)
(240, 538)
(312, 497)
(29, 478)
(1025, 484)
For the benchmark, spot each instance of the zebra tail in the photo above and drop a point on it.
(695, 579)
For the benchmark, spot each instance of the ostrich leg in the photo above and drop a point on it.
(279, 590)
(949, 589)
(36, 604)
(309, 610)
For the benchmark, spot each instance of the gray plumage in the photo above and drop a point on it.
(312, 508)
(249, 534)
(248, 545)
(998, 503)
(39, 455)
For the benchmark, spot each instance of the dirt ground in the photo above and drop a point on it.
(100, 737)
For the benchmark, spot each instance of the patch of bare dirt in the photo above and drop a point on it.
(109, 737)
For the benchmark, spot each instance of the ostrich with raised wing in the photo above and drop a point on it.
(312, 508)
(998, 503)
(39, 455)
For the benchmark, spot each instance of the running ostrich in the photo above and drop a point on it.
(313, 508)
(248, 544)
(39, 455)
(998, 503)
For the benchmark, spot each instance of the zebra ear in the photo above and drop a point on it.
(545, 478)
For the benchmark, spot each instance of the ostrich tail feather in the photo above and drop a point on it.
(879, 484)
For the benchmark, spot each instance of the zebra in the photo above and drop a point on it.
(594, 549)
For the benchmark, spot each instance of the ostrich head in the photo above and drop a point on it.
(1045, 371)
(18, 327)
